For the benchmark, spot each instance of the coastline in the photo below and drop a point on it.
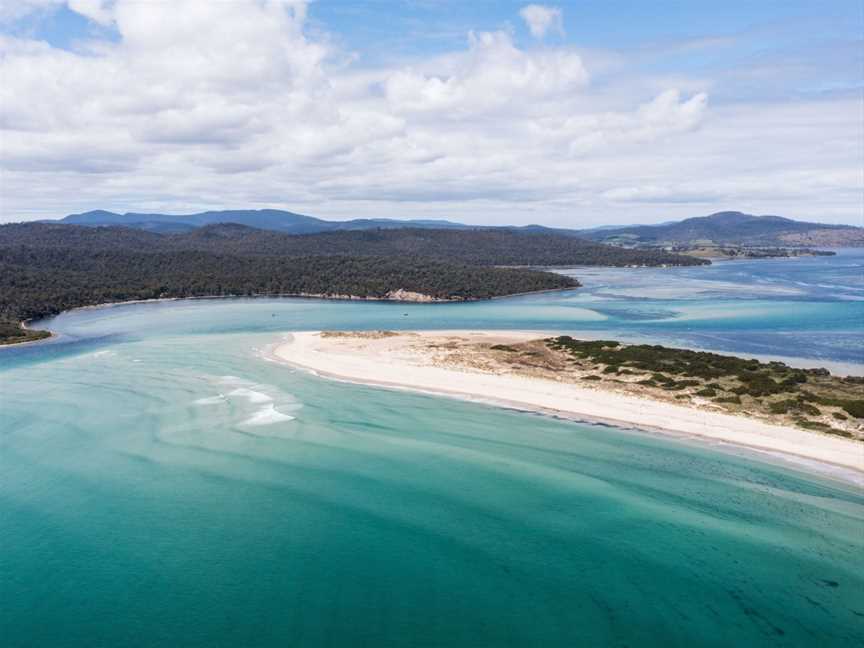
(837, 367)
(23, 343)
(835, 457)
(24, 325)
(400, 296)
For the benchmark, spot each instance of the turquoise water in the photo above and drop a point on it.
(162, 484)
(809, 308)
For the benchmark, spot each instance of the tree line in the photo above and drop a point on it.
(46, 268)
(36, 282)
(500, 247)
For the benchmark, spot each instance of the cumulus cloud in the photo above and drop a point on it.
(192, 105)
(541, 19)
(493, 73)
(99, 11)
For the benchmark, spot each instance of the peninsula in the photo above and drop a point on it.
(770, 407)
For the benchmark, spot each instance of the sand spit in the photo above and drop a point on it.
(444, 362)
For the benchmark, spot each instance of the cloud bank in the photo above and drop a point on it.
(196, 105)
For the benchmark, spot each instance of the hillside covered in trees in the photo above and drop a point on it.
(481, 246)
(45, 269)
(501, 247)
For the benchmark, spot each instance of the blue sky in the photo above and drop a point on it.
(606, 112)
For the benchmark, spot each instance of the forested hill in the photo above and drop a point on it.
(482, 246)
(45, 269)
(501, 247)
(734, 228)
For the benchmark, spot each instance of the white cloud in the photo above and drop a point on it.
(199, 105)
(100, 11)
(541, 19)
(493, 73)
(12, 10)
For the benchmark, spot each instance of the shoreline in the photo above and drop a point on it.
(834, 457)
(23, 325)
(836, 367)
(427, 300)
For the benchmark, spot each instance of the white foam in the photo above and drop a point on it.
(841, 287)
(233, 380)
(212, 400)
(251, 395)
(267, 416)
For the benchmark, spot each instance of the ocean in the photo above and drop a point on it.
(163, 484)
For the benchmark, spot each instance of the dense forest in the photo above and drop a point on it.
(481, 247)
(37, 280)
(46, 268)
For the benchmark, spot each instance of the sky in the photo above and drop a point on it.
(569, 114)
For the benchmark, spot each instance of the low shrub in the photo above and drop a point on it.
(811, 410)
(735, 400)
(816, 425)
(794, 379)
(781, 407)
(854, 408)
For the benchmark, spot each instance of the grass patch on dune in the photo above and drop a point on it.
(809, 398)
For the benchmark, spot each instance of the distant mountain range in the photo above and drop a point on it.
(267, 219)
(280, 221)
(732, 228)
(722, 228)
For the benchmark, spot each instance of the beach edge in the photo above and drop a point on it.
(770, 448)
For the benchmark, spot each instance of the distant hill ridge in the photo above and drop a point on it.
(721, 228)
(268, 219)
(733, 228)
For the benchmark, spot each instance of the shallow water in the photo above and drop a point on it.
(810, 308)
(161, 483)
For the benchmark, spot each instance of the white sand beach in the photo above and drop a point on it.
(397, 361)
